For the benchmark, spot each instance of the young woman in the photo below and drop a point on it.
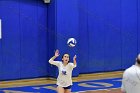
(64, 80)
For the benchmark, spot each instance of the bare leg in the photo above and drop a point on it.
(60, 89)
(67, 91)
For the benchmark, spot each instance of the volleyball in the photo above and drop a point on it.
(71, 42)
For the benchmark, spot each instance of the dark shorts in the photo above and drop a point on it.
(69, 87)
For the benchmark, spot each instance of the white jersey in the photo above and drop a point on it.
(131, 80)
(65, 73)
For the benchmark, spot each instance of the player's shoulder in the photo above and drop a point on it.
(70, 64)
(60, 62)
(130, 69)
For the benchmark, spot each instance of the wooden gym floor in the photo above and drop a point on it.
(43, 81)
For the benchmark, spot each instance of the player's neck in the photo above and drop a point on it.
(64, 64)
(137, 64)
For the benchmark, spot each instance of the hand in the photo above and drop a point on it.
(57, 53)
(74, 58)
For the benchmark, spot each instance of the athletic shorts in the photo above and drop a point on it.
(69, 87)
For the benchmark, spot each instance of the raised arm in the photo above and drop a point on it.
(51, 61)
(74, 60)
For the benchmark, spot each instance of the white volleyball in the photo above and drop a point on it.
(71, 42)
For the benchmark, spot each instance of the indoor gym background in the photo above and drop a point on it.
(107, 34)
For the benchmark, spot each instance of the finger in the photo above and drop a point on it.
(74, 57)
(57, 51)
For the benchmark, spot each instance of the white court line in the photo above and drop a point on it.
(96, 90)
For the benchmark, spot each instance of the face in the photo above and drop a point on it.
(65, 58)
(138, 59)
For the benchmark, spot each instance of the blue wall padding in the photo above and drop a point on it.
(66, 27)
(96, 38)
(51, 37)
(42, 42)
(29, 40)
(129, 32)
(138, 25)
(10, 42)
(103, 35)
(107, 34)
(83, 41)
(112, 32)
(23, 46)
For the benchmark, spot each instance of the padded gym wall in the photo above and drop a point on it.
(10, 42)
(51, 36)
(110, 28)
(129, 32)
(138, 24)
(112, 32)
(83, 41)
(100, 25)
(33, 20)
(107, 33)
(66, 27)
(24, 43)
